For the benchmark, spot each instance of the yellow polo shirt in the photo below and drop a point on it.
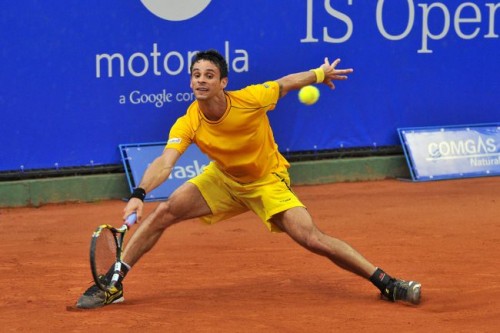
(241, 142)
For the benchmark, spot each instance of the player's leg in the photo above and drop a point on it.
(298, 224)
(204, 196)
(186, 202)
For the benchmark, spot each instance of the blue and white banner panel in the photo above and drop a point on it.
(137, 158)
(452, 152)
(80, 77)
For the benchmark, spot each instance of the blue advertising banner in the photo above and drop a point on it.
(452, 152)
(137, 157)
(80, 77)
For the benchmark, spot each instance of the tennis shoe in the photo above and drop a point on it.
(94, 297)
(400, 290)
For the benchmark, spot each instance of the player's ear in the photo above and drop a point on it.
(223, 82)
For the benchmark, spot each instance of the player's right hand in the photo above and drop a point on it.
(134, 205)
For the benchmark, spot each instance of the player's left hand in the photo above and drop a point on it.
(332, 73)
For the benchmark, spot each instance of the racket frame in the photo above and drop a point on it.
(118, 236)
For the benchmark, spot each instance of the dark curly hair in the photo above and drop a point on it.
(214, 57)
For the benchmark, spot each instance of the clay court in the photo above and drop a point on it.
(235, 276)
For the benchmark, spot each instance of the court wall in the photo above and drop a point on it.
(82, 77)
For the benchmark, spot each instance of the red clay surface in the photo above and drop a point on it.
(236, 276)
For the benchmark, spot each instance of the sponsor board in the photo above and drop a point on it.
(138, 156)
(83, 78)
(435, 153)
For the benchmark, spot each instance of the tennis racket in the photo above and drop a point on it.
(106, 251)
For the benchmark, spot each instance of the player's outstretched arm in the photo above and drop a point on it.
(156, 173)
(326, 74)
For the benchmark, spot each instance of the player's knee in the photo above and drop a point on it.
(310, 240)
(314, 241)
(165, 214)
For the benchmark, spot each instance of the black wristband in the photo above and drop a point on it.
(138, 193)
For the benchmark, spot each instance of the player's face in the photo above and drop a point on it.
(205, 80)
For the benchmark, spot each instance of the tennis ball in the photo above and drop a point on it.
(308, 95)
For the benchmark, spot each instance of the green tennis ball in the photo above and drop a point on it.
(308, 95)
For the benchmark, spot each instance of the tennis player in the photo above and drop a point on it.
(247, 172)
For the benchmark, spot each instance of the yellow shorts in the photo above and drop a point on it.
(226, 198)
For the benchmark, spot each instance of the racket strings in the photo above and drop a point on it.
(105, 253)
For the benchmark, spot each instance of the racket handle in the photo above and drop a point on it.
(131, 219)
